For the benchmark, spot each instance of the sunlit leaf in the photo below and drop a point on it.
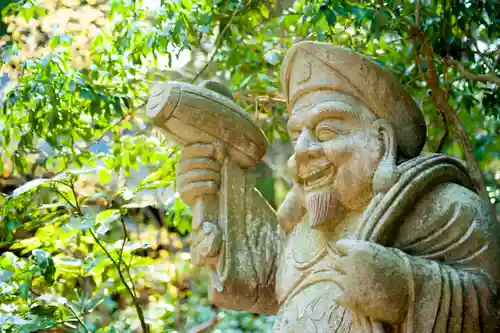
(5, 275)
(81, 222)
(59, 300)
(29, 186)
(11, 319)
(104, 176)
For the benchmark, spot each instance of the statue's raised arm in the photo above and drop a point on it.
(235, 232)
(372, 238)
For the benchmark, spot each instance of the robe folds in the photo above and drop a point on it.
(446, 235)
(450, 242)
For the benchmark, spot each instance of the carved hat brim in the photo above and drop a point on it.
(314, 66)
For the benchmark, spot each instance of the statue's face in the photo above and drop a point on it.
(336, 154)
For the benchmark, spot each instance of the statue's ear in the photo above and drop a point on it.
(292, 210)
(386, 174)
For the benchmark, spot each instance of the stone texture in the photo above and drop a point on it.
(372, 238)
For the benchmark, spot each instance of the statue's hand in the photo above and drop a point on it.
(198, 172)
(374, 280)
(198, 176)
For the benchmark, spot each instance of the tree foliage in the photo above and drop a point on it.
(92, 233)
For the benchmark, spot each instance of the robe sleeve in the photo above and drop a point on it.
(450, 243)
(251, 239)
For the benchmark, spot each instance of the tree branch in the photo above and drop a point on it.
(218, 42)
(417, 13)
(465, 74)
(445, 135)
(441, 102)
(138, 307)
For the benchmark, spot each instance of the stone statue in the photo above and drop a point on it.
(372, 238)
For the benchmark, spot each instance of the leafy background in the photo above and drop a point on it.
(92, 235)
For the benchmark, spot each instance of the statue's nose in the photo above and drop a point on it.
(307, 147)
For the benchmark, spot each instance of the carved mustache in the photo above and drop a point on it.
(313, 170)
(314, 173)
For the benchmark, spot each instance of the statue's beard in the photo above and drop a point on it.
(323, 209)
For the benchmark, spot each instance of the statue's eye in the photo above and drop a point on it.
(325, 134)
(327, 131)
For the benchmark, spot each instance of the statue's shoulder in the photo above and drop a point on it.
(444, 178)
(445, 183)
(448, 222)
(449, 200)
(430, 189)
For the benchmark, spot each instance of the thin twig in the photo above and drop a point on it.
(138, 307)
(64, 197)
(179, 319)
(77, 317)
(120, 257)
(207, 325)
(465, 74)
(218, 42)
(278, 98)
(125, 238)
(79, 209)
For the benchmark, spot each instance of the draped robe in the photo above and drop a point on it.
(445, 234)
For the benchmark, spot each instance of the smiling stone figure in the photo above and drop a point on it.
(372, 238)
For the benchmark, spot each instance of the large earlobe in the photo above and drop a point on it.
(292, 210)
(386, 174)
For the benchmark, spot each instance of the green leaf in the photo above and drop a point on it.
(28, 11)
(86, 94)
(272, 58)
(81, 222)
(52, 299)
(264, 10)
(25, 287)
(104, 176)
(6, 319)
(29, 186)
(331, 18)
(44, 261)
(5, 275)
(54, 42)
(108, 216)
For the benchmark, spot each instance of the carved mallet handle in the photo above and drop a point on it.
(191, 114)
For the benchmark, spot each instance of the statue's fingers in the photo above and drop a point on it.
(197, 164)
(205, 245)
(198, 150)
(194, 176)
(197, 236)
(190, 192)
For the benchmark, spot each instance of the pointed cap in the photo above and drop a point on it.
(313, 66)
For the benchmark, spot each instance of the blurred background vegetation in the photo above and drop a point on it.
(92, 234)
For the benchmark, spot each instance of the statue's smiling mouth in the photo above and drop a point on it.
(318, 175)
